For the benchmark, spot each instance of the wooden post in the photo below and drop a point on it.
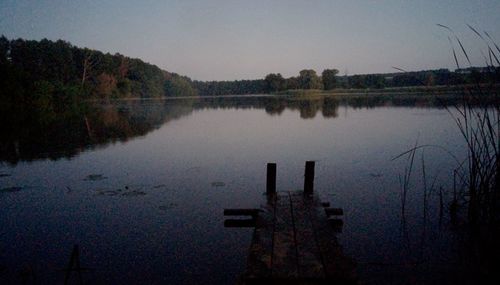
(309, 178)
(271, 179)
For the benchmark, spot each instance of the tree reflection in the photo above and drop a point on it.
(309, 108)
(330, 108)
(31, 132)
(275, 106)
(29, 135)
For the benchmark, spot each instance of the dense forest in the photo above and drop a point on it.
(34, 67)
(45, 73)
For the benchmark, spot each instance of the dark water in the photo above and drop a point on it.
(140, 186)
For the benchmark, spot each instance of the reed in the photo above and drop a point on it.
(477, 116)
(405, 180)
(479, 124)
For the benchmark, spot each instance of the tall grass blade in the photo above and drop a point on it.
(485, 58)
(400, 69)
(463, 50)
(428, 146)
(446, 27)
(475, 31)
(454, 53)
(494, 55)
(494, 43)
(491, 58)
(455, 56)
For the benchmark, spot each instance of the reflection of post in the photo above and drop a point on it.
(309, 178)
(27, 274)
(74, 265)
(271, 179)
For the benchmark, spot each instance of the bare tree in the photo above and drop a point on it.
(89, 62)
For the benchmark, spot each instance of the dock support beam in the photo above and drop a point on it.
(309, 178)
(271, 179)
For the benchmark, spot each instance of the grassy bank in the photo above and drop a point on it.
(424, 90)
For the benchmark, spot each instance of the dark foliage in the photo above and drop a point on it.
(211, 88)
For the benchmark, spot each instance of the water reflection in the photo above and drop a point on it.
(34, 135)
(149, 210)
(27, 137)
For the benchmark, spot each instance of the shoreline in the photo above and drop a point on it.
(399, 91)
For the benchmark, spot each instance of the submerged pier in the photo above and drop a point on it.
(294, 241)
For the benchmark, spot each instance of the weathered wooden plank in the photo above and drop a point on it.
(284, 248)
(259, 261)
(241, 212)
(239, 223)
(338, 267)
(309, 261)
(293, 243)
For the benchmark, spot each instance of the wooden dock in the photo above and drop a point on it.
(294, 241)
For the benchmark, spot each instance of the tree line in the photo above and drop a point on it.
(329, 79)
(39, 73)
(40, 70)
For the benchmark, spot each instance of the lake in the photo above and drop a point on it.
(140, 186)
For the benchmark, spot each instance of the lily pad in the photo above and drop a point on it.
(95, 177)
(160, 186)
(218, 184)
(167, 207)
(11, 189)
(126, 192)
(108, 192)
(134, 193)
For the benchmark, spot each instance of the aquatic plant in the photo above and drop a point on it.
(477, 116)
(478, 121)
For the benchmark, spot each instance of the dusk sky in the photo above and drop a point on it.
(227, 40)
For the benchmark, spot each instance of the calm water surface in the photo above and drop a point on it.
(140, 186)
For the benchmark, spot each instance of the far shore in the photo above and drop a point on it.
(395, 91)
(428, 90)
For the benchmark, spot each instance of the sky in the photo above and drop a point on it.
(228, 40)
